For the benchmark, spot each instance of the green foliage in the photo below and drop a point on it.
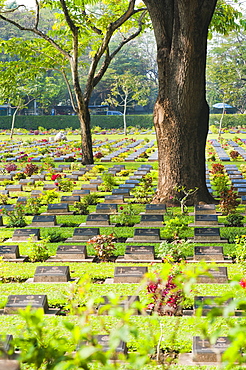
(33, 206)
(220, 183)
(174, 251)
(49, 196)
(174, 227)
(240, 249)
(90, 199)
(125, 216)
(103, 245)
(234, 219)
(4, 199)
(37, 249)
(54, 236)
(143, 193)
(228, 201)
(65, 184)
(81, 208)
(108, 181)
(16, 217)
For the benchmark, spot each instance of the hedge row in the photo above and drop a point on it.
(105, 122)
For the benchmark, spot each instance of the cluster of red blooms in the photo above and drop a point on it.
(55, 176)
(164, 295)
(242, 282)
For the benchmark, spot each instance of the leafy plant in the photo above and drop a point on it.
(37, 250)
(49, 196)
(183, 195)
(144, 192)
(166, 297)
(108, 181)
(10, 167)
(103, 245)
(54, 236)
(220, 182)
(125, 215)
(234, 219)
(234, 154)
(228, 201)
(30, 169)
(16, 217)
(91, 199)
(81, 208)
(174, 227)
(65, 184)
(33, 205)
(174, 251)
(4, 199)
(217, 168)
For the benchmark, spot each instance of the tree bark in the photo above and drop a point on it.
(181, 113)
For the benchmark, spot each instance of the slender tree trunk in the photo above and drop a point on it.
(86, 139)
(181, 112)
(124, 114)
(13, 123)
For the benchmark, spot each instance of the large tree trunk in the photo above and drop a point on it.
(181, 112)
(86, 139)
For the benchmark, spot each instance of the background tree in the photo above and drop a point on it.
(226, 70)
(128, 90)
(81, 27)
(181, 113)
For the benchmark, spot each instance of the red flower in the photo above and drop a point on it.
(242, 282)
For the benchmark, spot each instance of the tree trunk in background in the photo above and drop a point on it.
(86, 139)
(181, 113)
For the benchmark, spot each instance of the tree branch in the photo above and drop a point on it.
(69, 20)
(69, 91)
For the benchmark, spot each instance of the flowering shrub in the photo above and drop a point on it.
(125, 216)
(228, 201)
(98, 155)
(55, 176)
(166, 297)
(217, 168)
(234, 154)
(16, 217)
(103, 245)
(10, 167)
(30, 169)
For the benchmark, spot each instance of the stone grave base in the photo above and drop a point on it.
(193, 240)
(191, 260)
(187, 359)
(121, 259)
(205, 225)
(56, 259)
(57, 213)
(237, 313)
(19, 259)
(9, 365)
(149, 225)
(19, 241)
(31, 280)
(71, 240)
(84, 224)
(44, 224)
(50, 311)
(111, 281)
(132, 240)
(215, 214)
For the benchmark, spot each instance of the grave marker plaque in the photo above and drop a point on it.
(51, 274)
(118, 199)
(9, 251)
(6, 345)
(58, 208)
(70, 199)
(96, 218)
(217, 276)
(85, 233)
(147, 234)
(135, 252)
(103, 340)
(71, 252)
(206, 219)
(156, 208)
(206, 233)
(106, 208)
(203, 209)
(24, 234)
(209, 253)
(203, 351)
(16, 302)
(208, 303)
(44, 220)
(151, 220)
(129, 274)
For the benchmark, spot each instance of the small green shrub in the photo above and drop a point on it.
(37, 250)
(16, 217)
(234, 219)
